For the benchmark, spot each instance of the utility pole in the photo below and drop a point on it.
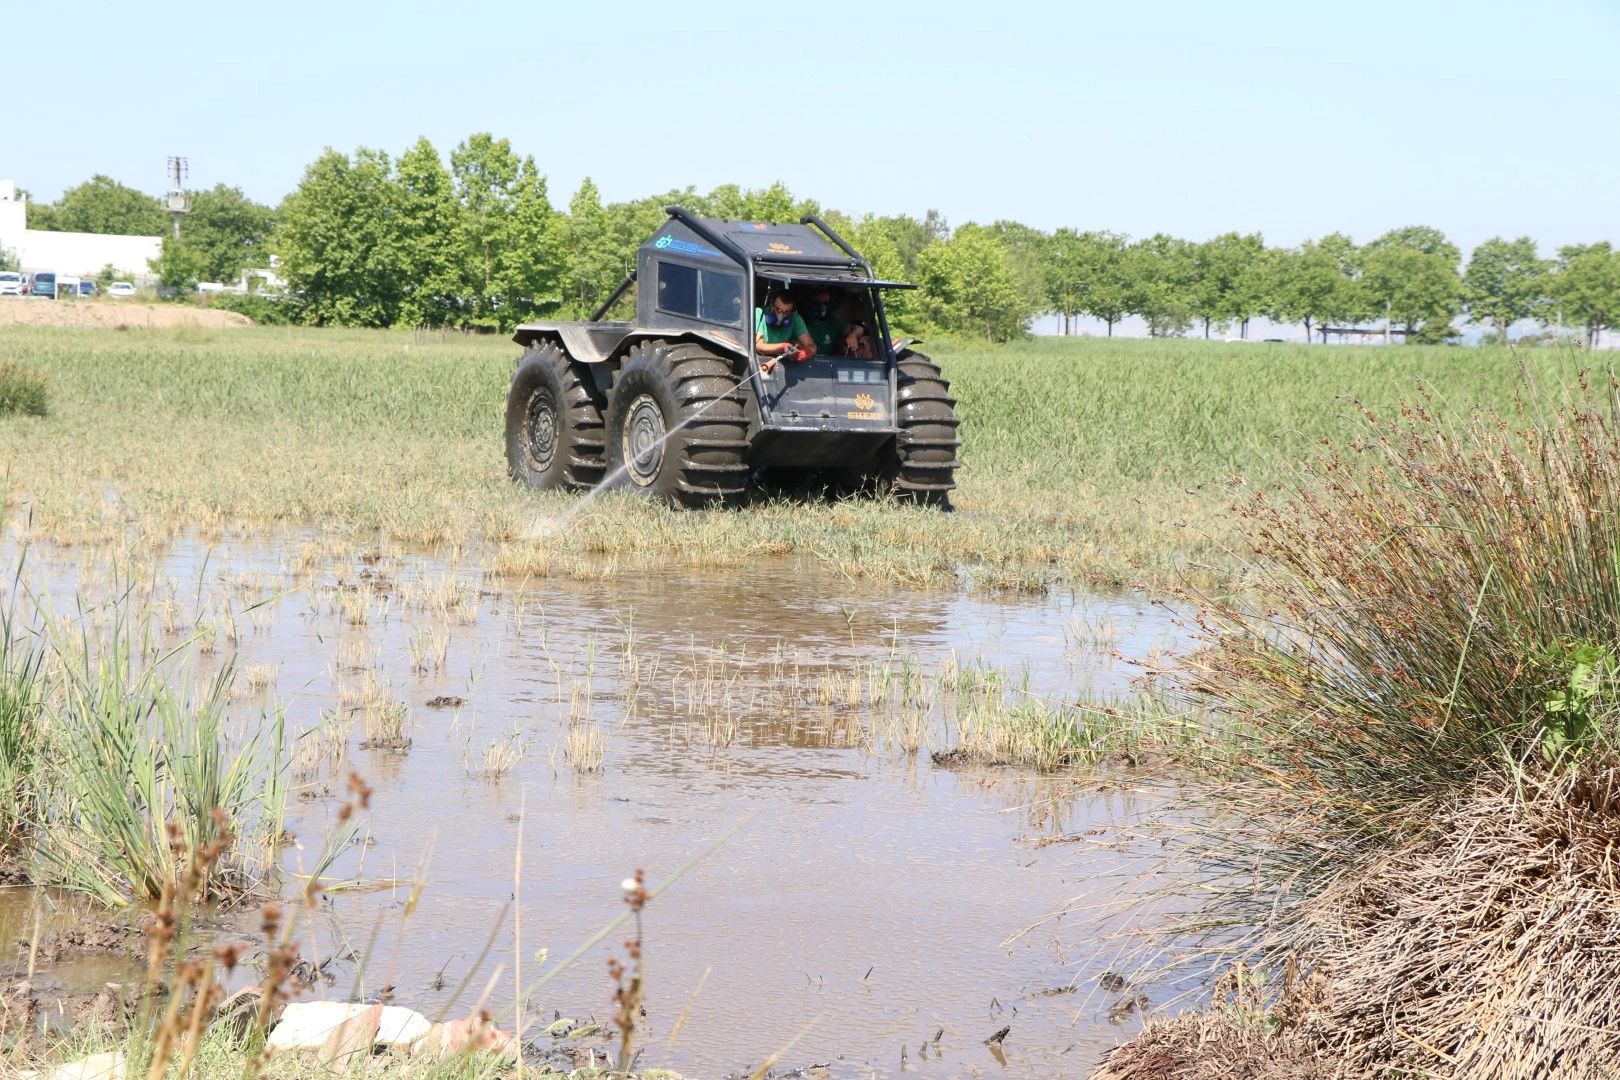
(178, 200)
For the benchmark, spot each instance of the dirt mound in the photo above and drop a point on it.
(113, 314)
(1493, 952)
(89, 935)
(1201, 1047)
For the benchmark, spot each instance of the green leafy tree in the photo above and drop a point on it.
(179, 266)
(1106, 276)
(1410, 276)
(1063, 284)
(1220, 277)
(428, 223)
(1029, 254)
(101, 205)
(1585, 287)
(878, 248)
(511, 242)
(1252, 291)
(909, 236)
(8, 259)
(969, 288)
(1506, 281)
(595, 266)
(229, 230)
(1316, 283)
(775, 203)
(39, 216)
(339, 240)
(1160, 270)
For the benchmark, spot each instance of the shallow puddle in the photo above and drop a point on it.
(870, 910)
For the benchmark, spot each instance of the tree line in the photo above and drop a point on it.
(475, 242)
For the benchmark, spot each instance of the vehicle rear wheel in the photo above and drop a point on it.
(553, 422)
(676, 429)
(922, 467)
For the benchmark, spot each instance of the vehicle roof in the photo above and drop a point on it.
(749, 237)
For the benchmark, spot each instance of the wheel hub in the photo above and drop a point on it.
(540, 428)
(643, 440)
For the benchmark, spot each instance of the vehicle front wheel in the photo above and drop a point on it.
(922, 467)
(676, 430)
(553, 422)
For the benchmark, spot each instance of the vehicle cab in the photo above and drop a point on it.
(714, 275)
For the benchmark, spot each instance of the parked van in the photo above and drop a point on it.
(42, 283)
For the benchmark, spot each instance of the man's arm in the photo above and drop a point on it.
(766, 348)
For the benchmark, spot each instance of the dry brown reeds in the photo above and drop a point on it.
(1419, 786)
(1491, 952)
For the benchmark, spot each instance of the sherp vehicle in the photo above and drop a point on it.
(677, 405)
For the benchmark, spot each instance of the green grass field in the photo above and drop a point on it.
(1100, 462)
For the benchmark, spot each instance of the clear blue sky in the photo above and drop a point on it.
(1294, 119)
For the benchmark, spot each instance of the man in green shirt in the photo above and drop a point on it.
(780, 333)
(826, 328)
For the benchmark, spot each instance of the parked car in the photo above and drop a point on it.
(88, 288)
(121, 289)
(11, 283)
(67, 285)
(41, 283)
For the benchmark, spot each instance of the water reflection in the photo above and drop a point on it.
(873, 911)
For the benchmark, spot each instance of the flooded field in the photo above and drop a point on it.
(869, 908)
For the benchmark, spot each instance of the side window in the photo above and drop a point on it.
(720, 298)
(677, 289)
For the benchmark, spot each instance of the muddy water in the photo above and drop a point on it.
(869, 909)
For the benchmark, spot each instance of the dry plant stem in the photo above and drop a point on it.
(680, 1021)
(628, 997)
(517, 933)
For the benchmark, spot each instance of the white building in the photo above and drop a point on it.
(83, 254)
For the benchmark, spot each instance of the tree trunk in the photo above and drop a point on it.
(1307, 329)
(1110, 322)
(1206, 327)
(1243, 330)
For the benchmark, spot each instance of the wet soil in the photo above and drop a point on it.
(873, 911)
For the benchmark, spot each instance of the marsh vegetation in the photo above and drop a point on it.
(273, 568)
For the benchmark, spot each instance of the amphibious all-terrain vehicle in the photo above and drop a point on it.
(678, 405)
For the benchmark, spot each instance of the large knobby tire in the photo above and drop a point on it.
(553, 422)
(676, 430)
(922, 467)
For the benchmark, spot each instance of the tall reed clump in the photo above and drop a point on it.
(137, 758)
(1439, 607)
(23, 390)
(1421, 783)
(22, 665)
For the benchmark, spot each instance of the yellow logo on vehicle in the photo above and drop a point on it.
(779, 248)
(864, 401)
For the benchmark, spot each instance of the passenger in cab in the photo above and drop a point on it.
(825, 326)
(857, 343)
(780, 333)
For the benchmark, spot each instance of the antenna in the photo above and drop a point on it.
(178, 200)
